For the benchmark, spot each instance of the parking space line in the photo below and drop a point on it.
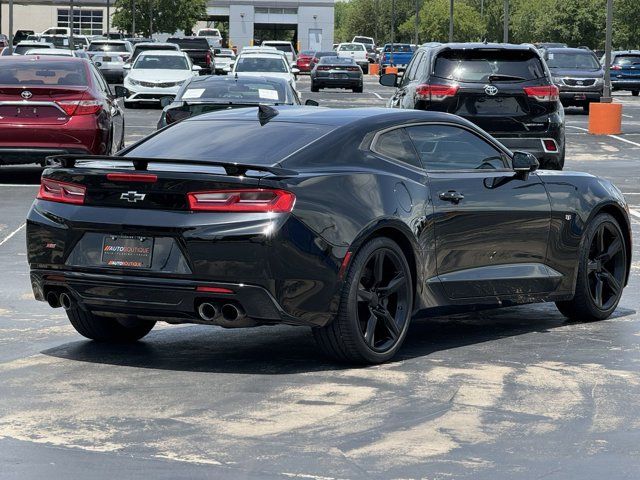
(617, 137)
(378, 95)
(8, 237)
(633, 212)
(627, 116)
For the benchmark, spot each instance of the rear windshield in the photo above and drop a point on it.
(238, 91)
(627, 60)
(573, 60)
(283, 47)
(145, 48)
(107, 47)
(488, 65)
(351, 47)
(209, 33)
(234, 141)
(399, 48)
(190, 43)
(22, 49)
(337, 61)
(43, 72)
(56, 40)
(363, 40)
(226, 53)
(261, 64)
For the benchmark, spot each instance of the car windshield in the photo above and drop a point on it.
(145, 48)
(43, 73)
(107, 47)
(627, 60)
(351, 47)
(573, 60)
(336, 61)
(261, 64)
(325, 54)
(225, 53)
(283, 47)
(236, 91)
(161, 62)
(363, 40)
(261, 145)
(484, 65)
(23, 49)
(399, 48)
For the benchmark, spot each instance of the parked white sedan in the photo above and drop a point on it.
(266, 63)
(155, 75)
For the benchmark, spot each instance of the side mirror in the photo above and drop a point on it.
(295, 71)
(227, 69)
(121, 92)
(127, 66)
(311, 103)
(165, 101)
(524, 162)
(196, 68)
(389, 80)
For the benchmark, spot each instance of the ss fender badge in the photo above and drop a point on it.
(133, 197)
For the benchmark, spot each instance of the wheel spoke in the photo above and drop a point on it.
(598, 295)
(612, 251)
(612, 281)
(364, 295)
(395, 284)
(378, 267)
(600, 239)
(592, 266)
(389, 322)
(370, 330)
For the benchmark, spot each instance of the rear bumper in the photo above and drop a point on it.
(163, 298)
(576, 97)
(626, 84)
(26, 155)
(547, 158)
(338, 82)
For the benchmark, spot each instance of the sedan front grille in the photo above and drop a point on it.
(159, 85)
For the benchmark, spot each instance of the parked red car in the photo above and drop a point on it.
(51, 105)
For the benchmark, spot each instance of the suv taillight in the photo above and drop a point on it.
(208, 58)
(436, 92)
(245, 200)
(62, 192)
(548, 93)
(80, 107)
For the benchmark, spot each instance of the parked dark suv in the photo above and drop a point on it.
(504, 89)
(577, 73)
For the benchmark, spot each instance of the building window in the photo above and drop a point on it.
(85, 22)
(276, 11)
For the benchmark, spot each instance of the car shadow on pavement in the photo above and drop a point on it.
(289, 350)
(20, 175)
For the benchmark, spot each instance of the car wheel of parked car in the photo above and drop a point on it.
(601, 272)
(365, 69)
(314, 87)
(104, 329)
(586, 107)
(635, 92)
(358, 89)
(375, 306)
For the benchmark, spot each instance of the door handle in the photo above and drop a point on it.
(451, 196)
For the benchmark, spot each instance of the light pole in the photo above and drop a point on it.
(71, 24)
(133, 18)
(505, 34)
(450, 20)
(606, 94)
(10, 26)
(417, 25)
(108, 14)
(393, 29)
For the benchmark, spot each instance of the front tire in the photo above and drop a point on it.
(314, 87)
(602, 270)
(104, 329)
(375, 307)
(635, 92)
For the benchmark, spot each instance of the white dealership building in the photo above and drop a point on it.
(308, 24)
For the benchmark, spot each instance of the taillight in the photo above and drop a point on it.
(80, 107)
(208, 58)
(353, 69)
(436, 92)
(132, 177)
(616, 67)
(245, 200)
(548, 93)
(63, 192)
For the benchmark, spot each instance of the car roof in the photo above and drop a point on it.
(163, 53)
(267, 54)
(118, 42)
(156, 44)
(48, 58)
(204, 79)
(277, 42)
(50, 51)
(622, 52)
(33, 42)
(485, 46)
(567, 50)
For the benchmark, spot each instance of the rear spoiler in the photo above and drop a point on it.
(235, 169)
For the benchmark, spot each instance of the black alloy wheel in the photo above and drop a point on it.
(601, 274)
(375, 308)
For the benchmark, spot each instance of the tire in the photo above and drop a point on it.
(350, 338)
(585, 107)
(365, 69)
(103, 329)
(314, 87)
(600, 279)
(635, 92)
(357, 89)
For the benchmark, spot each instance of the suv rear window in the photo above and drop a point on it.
(261, 145)
(107, 47)
(195, 43)
(627, 60)
(573, 60)
(481, 66)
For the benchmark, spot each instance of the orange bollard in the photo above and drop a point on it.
(391, 70)
(605, 118)
(374, 69)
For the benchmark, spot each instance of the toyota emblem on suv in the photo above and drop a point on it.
(490, 90)
(26, 94)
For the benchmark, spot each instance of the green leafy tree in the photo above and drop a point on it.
(159, 15)
(434, 22)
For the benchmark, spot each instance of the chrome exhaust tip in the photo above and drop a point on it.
(53, 300)
(208, 311)
(232, 313)
(65, 301)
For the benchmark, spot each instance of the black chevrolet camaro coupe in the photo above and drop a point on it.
(347, 221)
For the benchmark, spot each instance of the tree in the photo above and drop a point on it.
(434, 22)
(160, 15)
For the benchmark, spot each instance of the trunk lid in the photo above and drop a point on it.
(36, 105)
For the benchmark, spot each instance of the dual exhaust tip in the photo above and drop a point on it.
(210, 312)
(58, 299)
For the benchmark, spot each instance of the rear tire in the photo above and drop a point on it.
(103, 329)
(314, 88)
(602, 269)
(375, 308)
(586, 107)
(635, 92)
(357, 89)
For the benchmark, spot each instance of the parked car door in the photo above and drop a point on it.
(491, 223)
(407, 81)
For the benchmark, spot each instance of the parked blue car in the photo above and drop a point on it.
(625, 71)
(396, 55)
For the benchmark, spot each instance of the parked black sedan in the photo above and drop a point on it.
(505, 89)
(210, 93)
(337, 72)
(348, 221)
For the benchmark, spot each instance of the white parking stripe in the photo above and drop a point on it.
(627, 116)
(633, 212)
(378, 95)
(8, 237)
(612, 136)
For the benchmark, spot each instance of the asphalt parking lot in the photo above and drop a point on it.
(512, 393)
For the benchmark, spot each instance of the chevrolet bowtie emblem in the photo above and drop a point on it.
(132, 197)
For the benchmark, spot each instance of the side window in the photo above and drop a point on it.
(413, 67)
(397, 145)
(100, 81)
(446, 147)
